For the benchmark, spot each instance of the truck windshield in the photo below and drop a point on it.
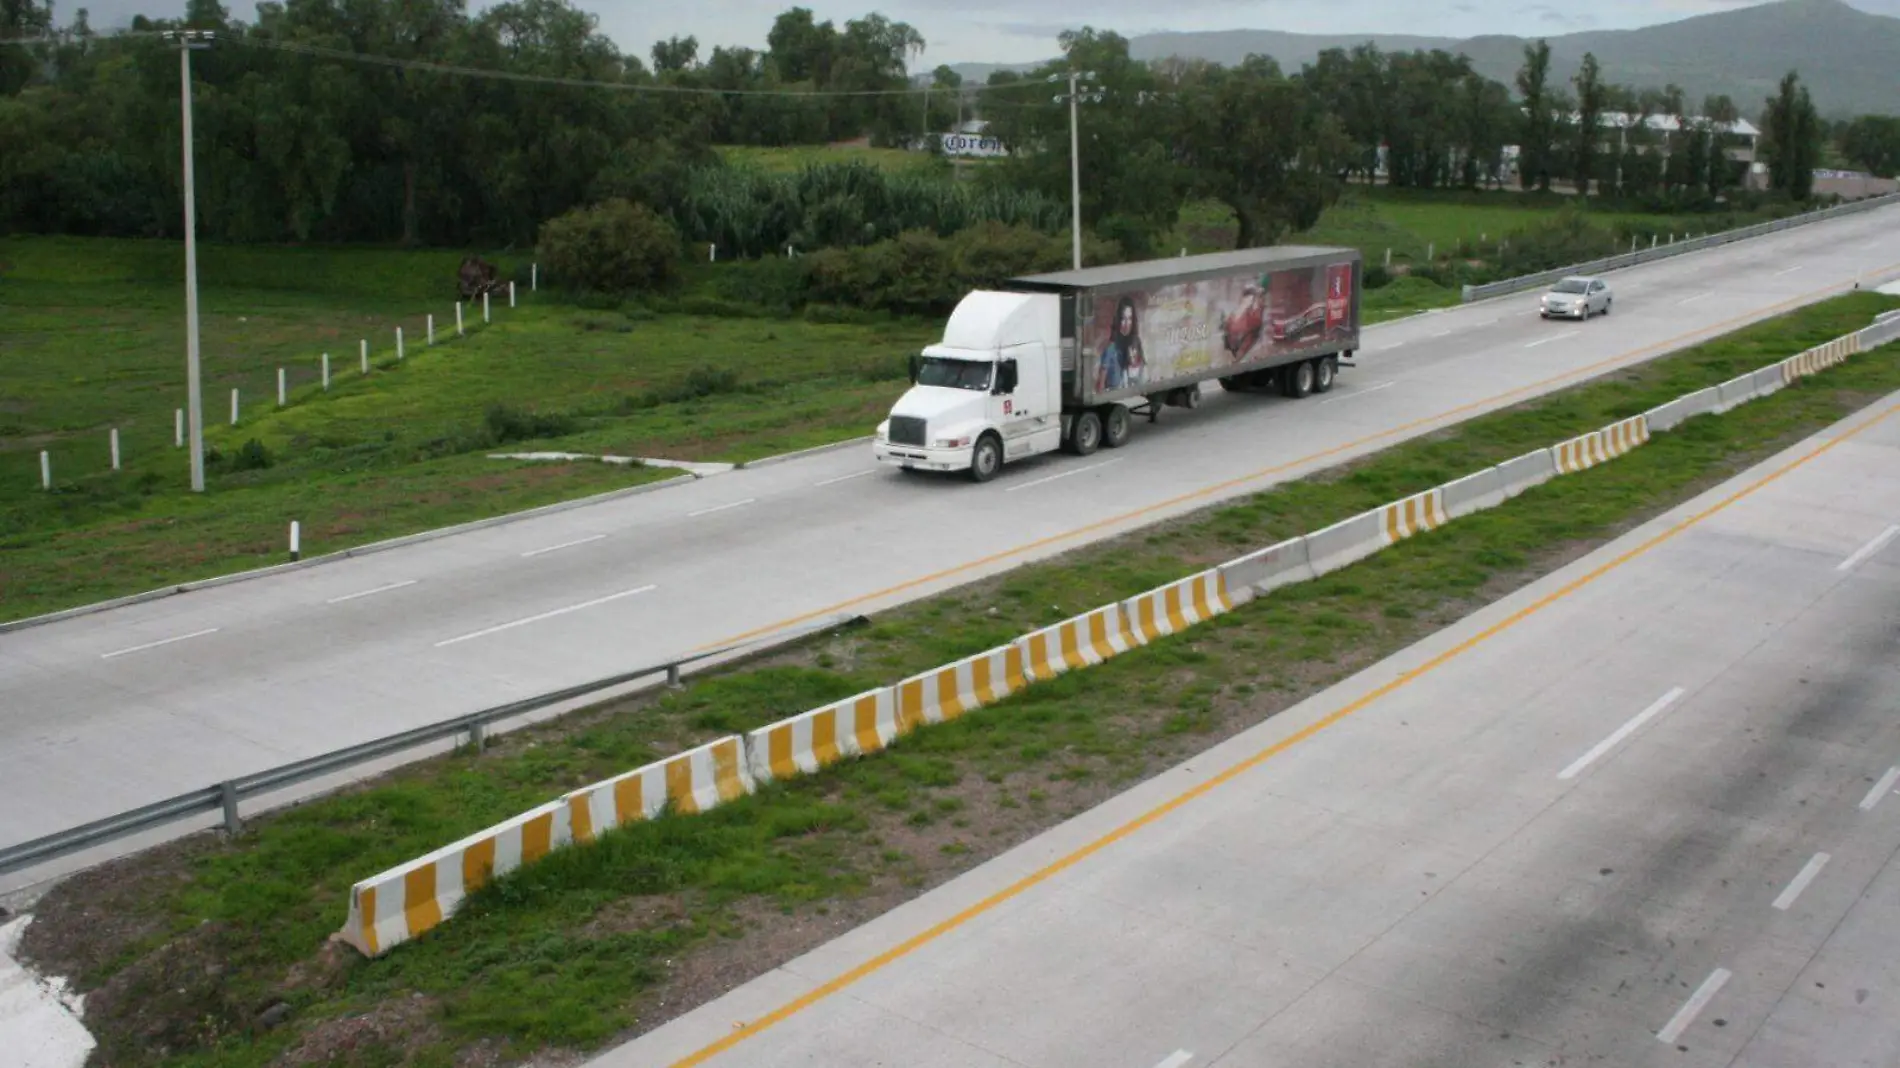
(956, 374)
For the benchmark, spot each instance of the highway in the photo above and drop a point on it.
(1642, 812)
(105, 711)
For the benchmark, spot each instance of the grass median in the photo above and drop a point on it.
(212, 953)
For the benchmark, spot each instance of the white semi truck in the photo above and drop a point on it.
(1066, 360)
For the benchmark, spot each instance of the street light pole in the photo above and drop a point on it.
(189, 41)
(1075, 154)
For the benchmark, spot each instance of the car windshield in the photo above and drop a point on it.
(956, 374)
(1569, 285)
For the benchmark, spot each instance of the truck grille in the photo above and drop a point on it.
(907, 430)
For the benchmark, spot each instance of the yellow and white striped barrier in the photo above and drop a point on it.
(408, 900)
(1081, 642)
(943, 694)
(1178, 605)
(1819, 358)
(1600, 446)
(1413, 515)
(693, 781)
(813, 740)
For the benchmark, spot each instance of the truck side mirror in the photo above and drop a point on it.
(916, 362)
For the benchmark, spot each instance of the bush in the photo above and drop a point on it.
(615, 246)
(505, 423)
(252, 456)
(919, 273)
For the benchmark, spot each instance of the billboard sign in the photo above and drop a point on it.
(1143, 339)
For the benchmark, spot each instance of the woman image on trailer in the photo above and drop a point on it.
(1123, 362)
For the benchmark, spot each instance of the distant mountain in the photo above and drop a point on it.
(1849, 59)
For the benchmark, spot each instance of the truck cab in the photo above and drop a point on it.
(989, 392)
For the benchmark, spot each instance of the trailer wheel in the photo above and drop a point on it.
(1234, 383)
(1296, 380)
(1086, 436)
(986, 458)
(1116, 426)
(1325, 373)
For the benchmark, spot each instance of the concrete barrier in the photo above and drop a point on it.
(411, 899)
(1819, 358)
(810, 741)
(1681, 410)
(1413, 515)
(1270, 568)
(944, 693)
(1346, 542)
(1600, 446)
(1523, 472)
(1768, 380)
(1473, 493)
(1884, 329)
(1735, 391)
(1177, 606)
(1084, 641)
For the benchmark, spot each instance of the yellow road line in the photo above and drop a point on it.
(1217, 488)
(911, 944)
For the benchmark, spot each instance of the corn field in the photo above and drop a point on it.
(749, 213)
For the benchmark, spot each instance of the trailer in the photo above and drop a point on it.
(1068, 360)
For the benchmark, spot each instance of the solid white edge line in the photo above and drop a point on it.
(563, 545)
(1176, 1059)
(1697, 1002)
(1063, 474)
(1801, 881)
(547, 615)
(156, 644)
(1553, 337)
(847, 478)
(366, 593)
(1622, 732)
(1880, 790)
(721, 507)
(1880, 542)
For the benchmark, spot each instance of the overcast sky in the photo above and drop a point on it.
(1009, 31)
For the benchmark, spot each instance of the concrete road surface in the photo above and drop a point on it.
(1640, 813)
(103, 712)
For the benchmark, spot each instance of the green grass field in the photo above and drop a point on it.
(596, 942)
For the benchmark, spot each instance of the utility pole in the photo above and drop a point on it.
(1073, 97)
(189, 41)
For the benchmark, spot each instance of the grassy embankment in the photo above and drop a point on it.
(184, 948)
(95, 338)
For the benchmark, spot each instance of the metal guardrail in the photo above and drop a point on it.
(226, 795)
(1651, 255)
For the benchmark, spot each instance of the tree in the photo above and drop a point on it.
(1791, 139)
(1590, 97)
(1872, 142)
(1259, 143)
(1534, 147)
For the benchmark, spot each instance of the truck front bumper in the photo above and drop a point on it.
(922, 459)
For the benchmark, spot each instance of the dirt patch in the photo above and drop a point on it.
(390, 1033)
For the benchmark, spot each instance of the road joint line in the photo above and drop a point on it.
(545, 615)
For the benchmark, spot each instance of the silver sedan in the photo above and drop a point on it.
(1576, 298)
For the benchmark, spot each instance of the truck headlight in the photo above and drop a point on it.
(884, 430)
(951, 443)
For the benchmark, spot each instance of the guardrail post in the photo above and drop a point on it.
(673, 677)
(227, 790)
(477, 736)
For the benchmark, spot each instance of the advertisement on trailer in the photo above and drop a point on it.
(1147, 339)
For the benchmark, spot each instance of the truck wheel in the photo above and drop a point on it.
(1086, 436)
(1191, 397)
(1325, 373)
(1296, 380)
(1116, 426)
(986, 458)
(1233, 383)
